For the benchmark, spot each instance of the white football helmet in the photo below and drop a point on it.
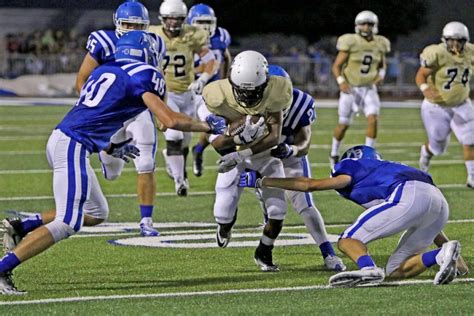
(173, 9)
(457, 31)
(366, 17)
(249, 77)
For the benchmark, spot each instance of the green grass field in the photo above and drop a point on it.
(91, 274)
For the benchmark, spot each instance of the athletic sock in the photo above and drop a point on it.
(9, 262)
(327, 249)
(335, 147)
(369, 141)
(29, 224)
(198, 148)
(365, 262)
(429, 257)
(146, 211)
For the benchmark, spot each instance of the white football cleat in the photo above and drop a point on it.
(334, 263)
(147, 229)
(7, 287)
(446, 259)
(470, 182)
(424, 159)
(366, 276)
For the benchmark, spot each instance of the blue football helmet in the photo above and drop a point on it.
(202, 15)
(361, 152)
(274, 70)
(131, 13)
(138, 46)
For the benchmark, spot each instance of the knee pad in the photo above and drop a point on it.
(273, 228)
(438, 147)
(345, 120)
(174, 148)
(59, 230)
(145, 163)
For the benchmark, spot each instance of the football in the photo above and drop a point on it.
(237, 126)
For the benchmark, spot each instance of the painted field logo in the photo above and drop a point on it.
(192, 235)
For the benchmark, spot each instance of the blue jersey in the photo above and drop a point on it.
(111, 96)
(375, 180)
(218, 44)
(101, 45)
(301, 113)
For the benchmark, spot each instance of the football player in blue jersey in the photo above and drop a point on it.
(114, 93)
(203, 16)
(293, 152)
(101, 49)
(397, 198)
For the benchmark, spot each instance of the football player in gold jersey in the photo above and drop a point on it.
(359, 66)
(443, 77)
(249, 91)
(182, 42)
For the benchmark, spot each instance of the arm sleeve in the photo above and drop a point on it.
(149, 80)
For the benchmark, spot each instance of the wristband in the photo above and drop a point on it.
(340, 80)
(205, 77)
(423, 87)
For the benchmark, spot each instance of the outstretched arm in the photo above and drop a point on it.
(307, 184)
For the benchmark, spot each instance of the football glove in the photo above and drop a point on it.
(251, 132)
(250, 179)
(217, 124)
(229, 161)
(197, 85)
(123, 150)
(282, 151)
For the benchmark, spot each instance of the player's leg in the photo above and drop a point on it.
(410, 258)
(225, 205)
(188, 107)
(463, 127)
(203, 142)
(303, 204)
(345, 119)
(276, 207)
(436, 121)
(71, 186)
(372, 111)
(174, 149)
(385, 219)
(143, 132)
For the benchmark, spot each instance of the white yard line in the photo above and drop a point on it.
(211, 293)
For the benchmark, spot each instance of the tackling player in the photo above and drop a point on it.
(358, 68)
(101, 49)
(293, 152)
(114, 93)
(182, 42)
(397, 198)
(443, 78)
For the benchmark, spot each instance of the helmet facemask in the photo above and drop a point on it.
(173, 24)
(123, 26)
(248, 97)
(207, 23)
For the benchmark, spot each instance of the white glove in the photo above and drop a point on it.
(229, 161)
(197, 85)
(251, 132)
